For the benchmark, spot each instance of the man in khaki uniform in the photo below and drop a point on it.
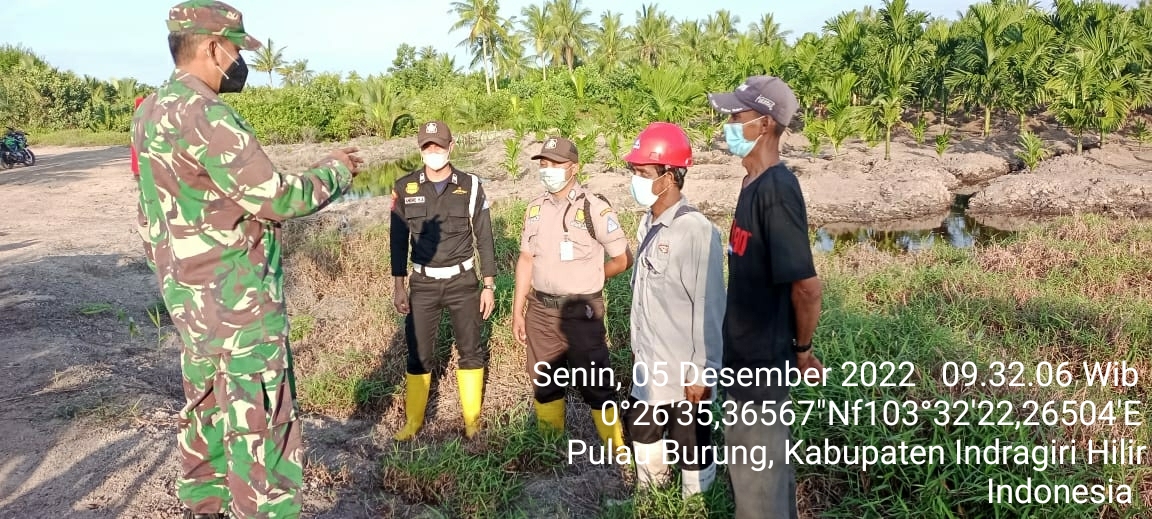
(558, 307)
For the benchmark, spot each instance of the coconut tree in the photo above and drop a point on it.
(512, 61)
(692, 42)
(570, 30)
(269, 59)
(538, 31)
(652, 35)
(766, 30)
(610, 41)
(482, 20)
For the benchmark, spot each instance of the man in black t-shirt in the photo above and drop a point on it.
(773, 295)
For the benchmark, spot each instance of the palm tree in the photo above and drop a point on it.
(482, 19)
(980, 74)
(386, 108)
(611, 41)
(652, 34)
(295, 73)
(767, 30)
(269, 59)
(539, 32)
(570, 31)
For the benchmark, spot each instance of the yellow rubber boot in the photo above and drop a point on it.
(550, 415)
(471, 385)
(415, 402)
(609, 429)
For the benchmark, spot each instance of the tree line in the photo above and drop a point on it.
(867, 74)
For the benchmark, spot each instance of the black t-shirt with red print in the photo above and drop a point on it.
(768, 250)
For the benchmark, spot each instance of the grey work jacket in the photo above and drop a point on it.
(678, 300)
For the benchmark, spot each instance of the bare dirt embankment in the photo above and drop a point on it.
(1114, 179)
(856, 185)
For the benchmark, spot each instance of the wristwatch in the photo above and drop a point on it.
(490, 287)
(802, 348)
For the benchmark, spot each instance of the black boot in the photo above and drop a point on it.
(189, 515)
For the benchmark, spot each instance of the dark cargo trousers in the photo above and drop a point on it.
(427, 298)
(568, 334)
(770, 492)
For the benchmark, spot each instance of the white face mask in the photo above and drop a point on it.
(642, 190)
(436, 161)
(553, 178)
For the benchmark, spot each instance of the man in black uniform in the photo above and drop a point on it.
(442, 210)
(773, 291)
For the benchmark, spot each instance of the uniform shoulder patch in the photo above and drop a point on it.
(533, 213)
(613, 226)
(606, 211)
(412, 188)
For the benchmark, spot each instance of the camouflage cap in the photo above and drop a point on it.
(211, 17)
(558, 149)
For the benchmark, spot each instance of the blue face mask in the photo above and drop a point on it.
(734, 136)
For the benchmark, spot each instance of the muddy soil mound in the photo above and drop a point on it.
(972, 168)
(1068, 184)
(884, 190)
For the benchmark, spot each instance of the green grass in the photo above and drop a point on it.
(1073, 291)
(475, 480)
(77, 138)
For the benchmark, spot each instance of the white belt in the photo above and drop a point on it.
(444, 272)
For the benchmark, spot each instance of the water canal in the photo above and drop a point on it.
(954, 228)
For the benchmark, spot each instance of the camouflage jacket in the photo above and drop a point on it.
(210, 208)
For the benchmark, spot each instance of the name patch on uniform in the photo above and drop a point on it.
(412, 188)
(612, 225)
(414, 200)
(533, 213)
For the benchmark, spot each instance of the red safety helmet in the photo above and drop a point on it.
(661, 143)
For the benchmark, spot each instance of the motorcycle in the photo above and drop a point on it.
(14, 150)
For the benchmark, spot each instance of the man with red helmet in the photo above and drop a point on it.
(677, 314)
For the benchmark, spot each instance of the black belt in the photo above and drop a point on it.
(555, 301)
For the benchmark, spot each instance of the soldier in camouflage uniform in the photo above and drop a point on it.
(211, 203)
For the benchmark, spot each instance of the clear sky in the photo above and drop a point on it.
(333, 35)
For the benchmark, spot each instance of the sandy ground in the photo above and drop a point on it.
(87, 408)
(88, 403)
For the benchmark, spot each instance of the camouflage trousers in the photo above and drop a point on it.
(239, 439)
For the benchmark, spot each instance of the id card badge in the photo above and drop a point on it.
(566, 252)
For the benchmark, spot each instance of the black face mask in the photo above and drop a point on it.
(235, 77)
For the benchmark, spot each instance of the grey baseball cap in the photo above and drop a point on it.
(767, 95)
